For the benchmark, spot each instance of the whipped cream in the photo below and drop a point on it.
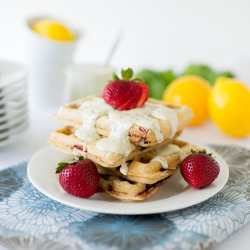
(164, 151)
(121, 121)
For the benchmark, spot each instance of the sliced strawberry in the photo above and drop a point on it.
(144, 96)
(115, 93)
(124, 98)
(137, 94)
(124, 94)
(128, 98)
(115, 89)
(132, 98)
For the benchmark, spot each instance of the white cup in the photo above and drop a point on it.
(84, 80)
(46, 61)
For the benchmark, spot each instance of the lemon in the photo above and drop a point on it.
(53, 30)
(229, 106)
(192, 91)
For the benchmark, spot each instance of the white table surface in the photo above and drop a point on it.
(41, 125)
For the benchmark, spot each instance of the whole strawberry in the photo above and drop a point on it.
(125, 94)
(79, 178)
(199, 169)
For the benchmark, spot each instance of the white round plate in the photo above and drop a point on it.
(12, 114)
(13, 132)
(14, 137)
(11, 73)
(174, 194)
(14, 122)
(13, 88)
(13, 106)
(16, 96)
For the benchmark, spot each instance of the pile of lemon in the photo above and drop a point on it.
(227, 103)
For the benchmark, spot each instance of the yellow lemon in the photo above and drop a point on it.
(192, 91)
(53, 30)
(229, 106)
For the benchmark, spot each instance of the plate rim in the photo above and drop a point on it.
(15, 106)
(128, 212)
(12, 114)
(14, 131)
(13, 122)
(21, 85)
(14, 97)
(14, 137)
(15, 64)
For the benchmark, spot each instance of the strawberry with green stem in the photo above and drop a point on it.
(79, 178)
(199, 169)
(125, 93)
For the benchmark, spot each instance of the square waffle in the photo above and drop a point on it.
(143, 170)
(144, 176)
(65, 140)
(135, 151)
(126, 190)
(72, 115)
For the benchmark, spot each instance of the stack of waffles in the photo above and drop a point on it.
(135, 151)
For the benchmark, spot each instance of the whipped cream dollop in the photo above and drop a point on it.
(121, 121)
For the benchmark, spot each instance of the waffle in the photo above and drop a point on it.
(65, 140)
(143, 171)
(71, 115)
(141, 163)
(125, 190)
(144, 177)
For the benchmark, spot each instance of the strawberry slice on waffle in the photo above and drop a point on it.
(125, 93)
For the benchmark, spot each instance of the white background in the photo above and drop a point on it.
(156, 34)
(159, 34)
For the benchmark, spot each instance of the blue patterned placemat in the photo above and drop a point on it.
(30, 220)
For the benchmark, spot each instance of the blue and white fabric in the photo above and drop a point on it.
(30, 220)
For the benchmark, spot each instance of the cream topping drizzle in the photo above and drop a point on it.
(163, 113)
(161, 160)
(92, 110)
(164, 151)
(121, 121)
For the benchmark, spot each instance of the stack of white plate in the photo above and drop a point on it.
(13, 101)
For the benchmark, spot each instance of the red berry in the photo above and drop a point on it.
(80, 178)
(125, 94)
(132, 99)
(122, 94)
(144, 95)
(116, 92)
(199, 170)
